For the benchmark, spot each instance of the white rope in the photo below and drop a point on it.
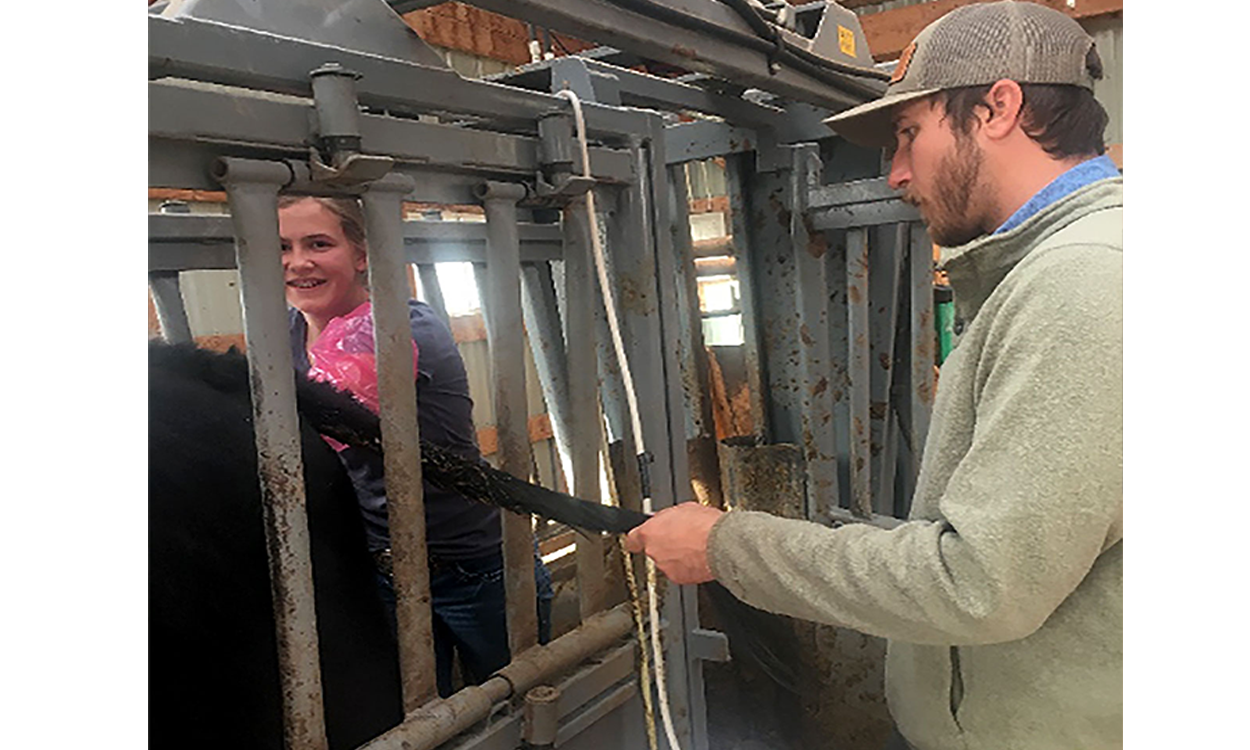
(631, 400)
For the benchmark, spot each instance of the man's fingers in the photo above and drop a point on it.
(633, 541)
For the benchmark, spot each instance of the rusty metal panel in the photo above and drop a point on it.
(885, 261)
(746, 265)
(774, 281)
(815, 356)
(923, 355)
(858, 370)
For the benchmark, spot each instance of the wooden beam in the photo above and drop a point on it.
(191, 196)
(482, 33)
(715, 204)
(890, 31)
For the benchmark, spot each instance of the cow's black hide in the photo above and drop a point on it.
(213, 675)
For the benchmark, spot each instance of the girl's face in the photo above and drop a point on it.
(321, 267)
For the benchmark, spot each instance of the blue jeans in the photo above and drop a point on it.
(470, 616)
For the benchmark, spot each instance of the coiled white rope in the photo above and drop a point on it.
(631, 400)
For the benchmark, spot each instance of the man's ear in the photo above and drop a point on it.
(1005, 101)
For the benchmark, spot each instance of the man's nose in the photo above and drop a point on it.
(900, 174)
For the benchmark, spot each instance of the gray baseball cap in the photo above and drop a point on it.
(977, 45)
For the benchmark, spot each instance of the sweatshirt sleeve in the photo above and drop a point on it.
(1027, 510)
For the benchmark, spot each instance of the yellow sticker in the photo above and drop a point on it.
(846, 40)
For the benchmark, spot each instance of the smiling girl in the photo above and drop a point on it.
(324, 264)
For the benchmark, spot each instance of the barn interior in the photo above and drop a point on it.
(781, 324)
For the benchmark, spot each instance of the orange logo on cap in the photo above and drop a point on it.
(904, 59)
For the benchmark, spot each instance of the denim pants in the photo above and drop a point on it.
(470, 616)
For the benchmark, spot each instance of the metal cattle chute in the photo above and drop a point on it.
(342, 98)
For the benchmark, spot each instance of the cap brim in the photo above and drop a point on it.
(869, 124)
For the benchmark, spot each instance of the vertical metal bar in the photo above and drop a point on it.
(680, 603)
(433, 290)
(397, 399)
(839, 348)
(171, 311)
(885, 261)
(777, 320)
(252, 192)
(814, 347)
(700, 429)
(611, 384)
(922, 347)
(748, 271)
(858, 370)
(584, 423)
(546, 339)
(632, 250)
(502, 310)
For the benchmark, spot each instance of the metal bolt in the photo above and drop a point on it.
(541, 717)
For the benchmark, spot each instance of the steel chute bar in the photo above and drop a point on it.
(235, 56)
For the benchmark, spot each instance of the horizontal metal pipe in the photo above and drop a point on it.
(440, 720)
(229, 170)
(199, 242)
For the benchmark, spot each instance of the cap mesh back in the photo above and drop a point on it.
(982, 43)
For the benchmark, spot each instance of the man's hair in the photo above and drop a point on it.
(1065, 120)
(348, 211)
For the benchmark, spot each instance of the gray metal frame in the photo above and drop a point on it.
(826, 293)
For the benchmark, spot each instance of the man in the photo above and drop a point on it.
(1001, 596)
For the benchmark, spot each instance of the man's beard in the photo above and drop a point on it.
(948, 214)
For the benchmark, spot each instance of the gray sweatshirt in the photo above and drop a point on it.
(1001, 596)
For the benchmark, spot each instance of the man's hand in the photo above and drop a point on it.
(676, 538)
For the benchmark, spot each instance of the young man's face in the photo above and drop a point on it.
(939, 171)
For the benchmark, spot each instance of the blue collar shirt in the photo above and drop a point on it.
(1085, 173)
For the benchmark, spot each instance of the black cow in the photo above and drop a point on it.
(213, 674)
(213, 677)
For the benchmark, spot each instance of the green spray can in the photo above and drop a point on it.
(944, 318)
